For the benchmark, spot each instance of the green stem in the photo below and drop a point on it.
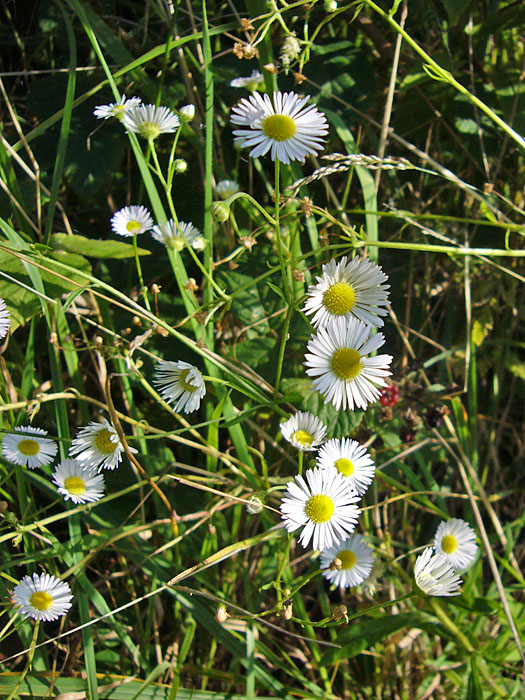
(284, 274)
(441, 74)
(143, 288)
(451, 626)
(284, 339)
(282, 564)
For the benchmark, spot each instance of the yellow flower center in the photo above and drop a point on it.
(449, 544)
(29, 447)
(104, 443)
(345, 466)
(303, 437)
(133, 226)
(75, 485)
(149, 130)
(339, 299)
(41, 600)
(279, 127)
(118, 112)
(346, 363)
(348, 559)
(186, 385)
(319, 508)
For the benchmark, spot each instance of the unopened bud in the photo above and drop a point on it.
(330, 5)
(180, 166)
(254, 505)
(290, 49)
(187, 113)
(220, 211)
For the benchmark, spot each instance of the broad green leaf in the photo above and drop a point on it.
(94, 248)
(21, 299)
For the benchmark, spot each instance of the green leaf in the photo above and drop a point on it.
(474, 689)
(362, 633)
(247, 305)
(480, 606)
(94, 248)
(454, 9)
(276, 289)
(18, 291)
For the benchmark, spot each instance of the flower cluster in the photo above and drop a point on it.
(454, 550)
(324, 501)
(134, 220)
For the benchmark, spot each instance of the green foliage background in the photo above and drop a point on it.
(443, 217)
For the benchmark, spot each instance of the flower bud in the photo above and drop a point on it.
(330, 5)
(187, 113)
(254, 505)
(220, 211)
(180, 166)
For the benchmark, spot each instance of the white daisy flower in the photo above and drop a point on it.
(351, 459)
(116, 109)
(304, 430)
(150, 121)
(324, 504)
(434, 575)
(454, 539)
(42, 597)
(181, 384)
(226, 188)
(78, 482)
(352, 288)
(285, 127)
(98, 446)
(249, 82)
(172, 235)
(28, 447)
(130, 221)
(356, 560)
(4, 319)
(337, 358)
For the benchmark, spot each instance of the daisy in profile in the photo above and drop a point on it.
(78, 482)
(324, 503)
(181, 384)
(354, 288)
(250, 82)
(130, 221)
(350, 459)
(337, 359)
(282, 125)
(97, 445)
(42, 597)
(4, 320)
(304, 430)
(455, 540)
(435, 576)
(150, 121)
(28, 446)
(173, 235)
(226, 188)
(117, 109)
(354, 565)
